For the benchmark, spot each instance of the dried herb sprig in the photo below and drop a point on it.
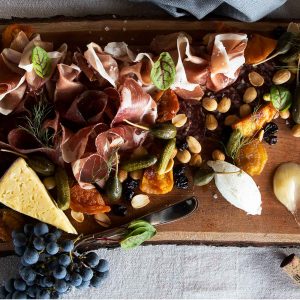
(34, 123)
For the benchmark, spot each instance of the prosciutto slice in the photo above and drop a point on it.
(226, 60)
(67, 86)
(135, 105)
(88, 108)
(102, 63)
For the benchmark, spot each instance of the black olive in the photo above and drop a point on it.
(119, 210)
(271, 139)
(181, 145)
(181, 182)
(270, 129)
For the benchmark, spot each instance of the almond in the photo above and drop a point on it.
(211, 122)
(139, 201)
(281, 76)
(224, 105)
(256, 79)
(179, 120)
(196, 160)
(183, 156)
(218, 155)
(210, 104)
(250, 95)
(193, 144)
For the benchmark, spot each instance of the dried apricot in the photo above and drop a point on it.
(11, 31)
(167, 106)
(252, 157)
(87, 201)
(153, 183)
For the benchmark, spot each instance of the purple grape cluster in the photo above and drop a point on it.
(50, 266)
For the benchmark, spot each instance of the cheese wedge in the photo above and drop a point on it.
(22, 190)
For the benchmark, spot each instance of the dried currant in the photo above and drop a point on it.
(178, 170)
(271, 139)
(181, 145)
(270, 129)
(181, 182)
(129, 185)
(119, 210)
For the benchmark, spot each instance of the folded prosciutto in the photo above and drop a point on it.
(226, 60)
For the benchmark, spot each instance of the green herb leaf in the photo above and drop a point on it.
(235, 143)
(281, 97)
(41, 62)
(163, 71)
(139, 232)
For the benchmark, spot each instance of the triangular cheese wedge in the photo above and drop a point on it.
(22, 190)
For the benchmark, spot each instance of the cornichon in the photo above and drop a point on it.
(62, 188)
(41, 165)
(164, 131)
(165, 156)
(139, 163)
(203, 177)
(113, 187)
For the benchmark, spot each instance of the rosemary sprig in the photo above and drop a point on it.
(34, 123)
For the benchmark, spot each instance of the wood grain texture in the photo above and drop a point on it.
(215, 221)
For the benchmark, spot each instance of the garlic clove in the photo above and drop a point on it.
(139, 201)
(237, 187)
(286, 186)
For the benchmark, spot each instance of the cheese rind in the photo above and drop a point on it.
(22, 190)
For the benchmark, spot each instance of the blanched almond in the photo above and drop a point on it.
(250, 95)
(77, 216)
(210, 104)
(139, 201)
(281, 76)
(256, 79)
(196, 160)
(193, 144)
(224, 105)
(136, 175)
(284, 114)
(102, 219)
(245, 110)
(211, 122)
(179, 120)
(183, 156)
(218, 155)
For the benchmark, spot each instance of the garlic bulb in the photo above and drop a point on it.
(237, 187)
(286, 186)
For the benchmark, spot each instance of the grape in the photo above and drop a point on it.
(47, 282)
(92, 259)
(51, 237)
(42, 294)
(31, 291)
(57, 232)
(103, 275)
(64, 260)
(52, 264)
(39, 243)
(102, 266)
(61, 286)
(84, 284)
(28, 229)
(75, 279)
(67, 245)
(19, 285)
(19, 239)
(59, 272)
(20, 250)
(67, 278)
(14, 233)
(23, 262)
(9, 296)
(9, 285)
(27, 274)
(30, 256)
(41, 229)
(30, 283)
(2, 292)
(87, 274)
(96, 281)
(19, 295)
(52, 248)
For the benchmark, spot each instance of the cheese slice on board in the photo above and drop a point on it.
(22, 190)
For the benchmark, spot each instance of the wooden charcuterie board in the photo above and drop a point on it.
(215, 221)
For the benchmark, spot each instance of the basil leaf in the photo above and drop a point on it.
(41, 62)
(281, 97)
(139, 231)
(163, 71)
(136, 240)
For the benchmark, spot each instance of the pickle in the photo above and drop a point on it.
(113, 188)
(139, 163)
(41, 165)
(164, 131)
(203, 177)
(165, 156)
(62, 188)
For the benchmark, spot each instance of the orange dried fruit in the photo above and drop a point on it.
(259, 48)
(87, 201)
(153, 183)
(167, 106)
(11, 31)
(252, 157)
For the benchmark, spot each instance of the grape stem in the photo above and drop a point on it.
(14, 152)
